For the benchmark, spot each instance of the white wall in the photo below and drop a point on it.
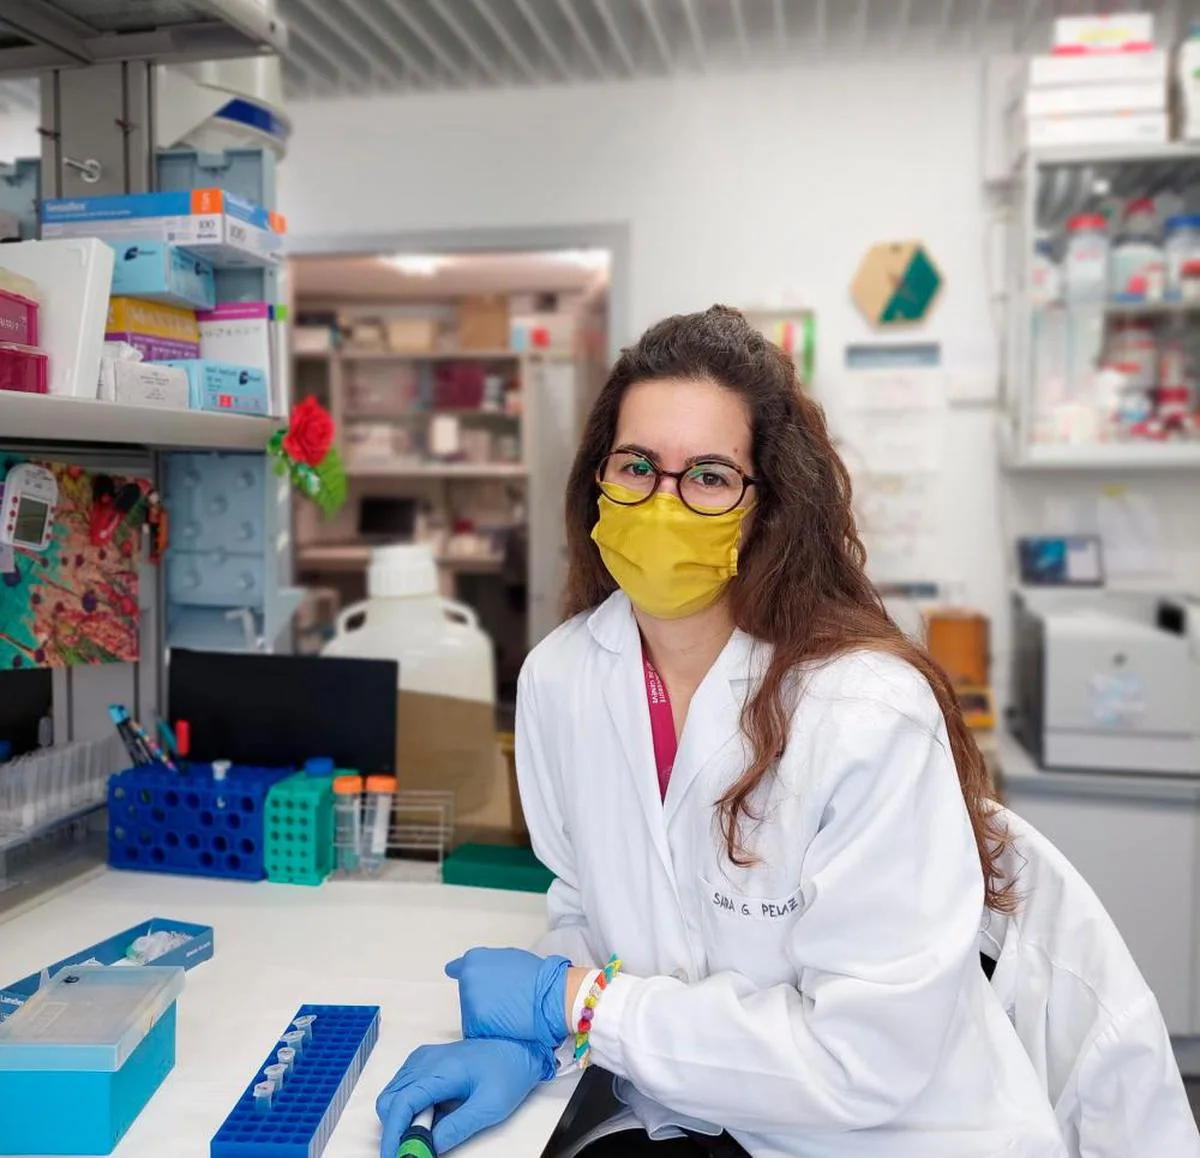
(18, 135)
(750, 190)
(743, 189)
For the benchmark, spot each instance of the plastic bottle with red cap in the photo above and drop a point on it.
(1137, 265)
(1085, 262)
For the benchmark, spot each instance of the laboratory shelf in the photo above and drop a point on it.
(1151, 309)
(53, 418)
(470, 470)
(1103, 457)
(44, 34)
(305, 1110)
(1166, 152)
(431, 356)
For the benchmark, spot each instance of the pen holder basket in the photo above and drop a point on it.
(188, 822)
(300, 830)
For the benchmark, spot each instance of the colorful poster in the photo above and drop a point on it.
(76, 602)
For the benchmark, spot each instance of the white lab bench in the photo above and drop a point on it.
(1136, 839)
(277, 947)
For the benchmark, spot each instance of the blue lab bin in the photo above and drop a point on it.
(306, 1110)
(110, 951)
(187, 822)
(66, 1092)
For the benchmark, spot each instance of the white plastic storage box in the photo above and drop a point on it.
(80, 1059)
(73, 278)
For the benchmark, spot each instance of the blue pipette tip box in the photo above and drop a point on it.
(306, 1110)
(94, 1044)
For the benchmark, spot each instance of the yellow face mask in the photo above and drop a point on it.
(670, 561)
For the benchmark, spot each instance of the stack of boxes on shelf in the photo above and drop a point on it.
(1104, 83)
(167, 341)
(22, 361)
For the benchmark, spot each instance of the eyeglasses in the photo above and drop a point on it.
(708, 487)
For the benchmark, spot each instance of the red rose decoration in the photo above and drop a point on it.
(310, 433)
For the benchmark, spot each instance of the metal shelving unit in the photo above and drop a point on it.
(96, 60)
(45, 418)
(36, 35)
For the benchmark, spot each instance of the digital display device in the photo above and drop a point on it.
(31, 519)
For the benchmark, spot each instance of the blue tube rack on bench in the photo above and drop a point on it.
(306, 1108)
(189, 822)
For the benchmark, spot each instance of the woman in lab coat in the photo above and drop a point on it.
(754, 791)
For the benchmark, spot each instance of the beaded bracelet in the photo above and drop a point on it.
(583, 1031)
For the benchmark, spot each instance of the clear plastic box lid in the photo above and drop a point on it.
(89, 1017)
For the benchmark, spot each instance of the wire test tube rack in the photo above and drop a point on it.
(303, 1111)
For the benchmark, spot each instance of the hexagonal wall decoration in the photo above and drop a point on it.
(896, 284)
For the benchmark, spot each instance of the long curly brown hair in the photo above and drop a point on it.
(801, 584)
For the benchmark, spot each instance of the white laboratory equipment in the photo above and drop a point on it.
(446, 726)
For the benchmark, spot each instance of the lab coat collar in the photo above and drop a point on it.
(614, 628)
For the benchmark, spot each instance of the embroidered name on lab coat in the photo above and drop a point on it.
(756, 908)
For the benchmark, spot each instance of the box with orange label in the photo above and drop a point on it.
(212, 224)
(158, 330)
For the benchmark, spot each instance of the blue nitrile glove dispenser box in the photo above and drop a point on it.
(80, 1060)
(191, 953)
(162, 273)
(225, 388)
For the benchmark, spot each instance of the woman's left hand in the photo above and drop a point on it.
(512, 994)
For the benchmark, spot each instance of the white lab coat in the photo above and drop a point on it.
(826, 1002)
(1084, 1013)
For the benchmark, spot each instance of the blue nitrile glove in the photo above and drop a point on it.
(511, 993)
(490, 1078)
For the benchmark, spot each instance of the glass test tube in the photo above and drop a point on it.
(264, 1095)
(275, 1075)
(286, 1057)
(294, 1040)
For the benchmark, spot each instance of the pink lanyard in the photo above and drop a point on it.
(662, 725)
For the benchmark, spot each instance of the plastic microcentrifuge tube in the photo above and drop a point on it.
(264, 1095)
(378, 821)
(294, 1040)
(287, 1058)
(304, 1023)
(275, 1075)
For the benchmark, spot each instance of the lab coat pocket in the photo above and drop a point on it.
(749, 934)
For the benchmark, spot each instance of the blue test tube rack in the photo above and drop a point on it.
(305, 1111)
(188, 822)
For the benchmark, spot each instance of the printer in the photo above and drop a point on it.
(1107, 682)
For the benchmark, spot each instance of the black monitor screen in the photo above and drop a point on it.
(276, 711)
(394, 517)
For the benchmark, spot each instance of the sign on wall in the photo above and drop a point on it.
(896, 284)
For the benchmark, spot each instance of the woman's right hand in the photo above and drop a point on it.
(490, 1077)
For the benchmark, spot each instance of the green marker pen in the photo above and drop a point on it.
(418, 1140)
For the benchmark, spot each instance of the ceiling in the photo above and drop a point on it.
(368, 279)
(347, 47)
(342, 48)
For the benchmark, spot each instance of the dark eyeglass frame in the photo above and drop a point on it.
(748, 481)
